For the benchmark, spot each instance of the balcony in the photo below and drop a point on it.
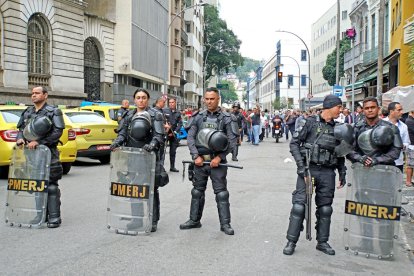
(357, 56)
(409, 30)
(371, 56)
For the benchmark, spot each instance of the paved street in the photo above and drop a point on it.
(260, 197)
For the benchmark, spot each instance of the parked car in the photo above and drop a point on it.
(107, 111)
(9, 117)
(94, 134)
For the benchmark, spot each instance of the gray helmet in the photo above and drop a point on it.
(344, 132)
(382, 136)
(37, 128)
(212, 139)
(140, 126)
(236, 104)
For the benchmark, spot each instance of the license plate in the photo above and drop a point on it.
(277, 131)
(103, 147)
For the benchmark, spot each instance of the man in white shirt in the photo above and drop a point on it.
(395, 112)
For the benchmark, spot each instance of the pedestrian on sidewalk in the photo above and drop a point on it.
(395, 112)
(316, 136)
(255, 117)
(410, 149)
(212, 135)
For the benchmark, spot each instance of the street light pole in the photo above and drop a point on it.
(307, 49)
(201, 4)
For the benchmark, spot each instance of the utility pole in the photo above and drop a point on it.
(338, 38)
(380, 51)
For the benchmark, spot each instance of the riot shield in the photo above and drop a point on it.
(131, 191)
(372, 210)
(27, 186)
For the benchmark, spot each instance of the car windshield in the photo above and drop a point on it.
(12, 116)
(85, 117)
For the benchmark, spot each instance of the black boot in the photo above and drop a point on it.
(323, 224)
(196, 210)
(53, 206)
(156, 210)
(289, 248)
(223, 206)
(172, 164)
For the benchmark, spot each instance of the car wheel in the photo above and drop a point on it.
(66, 167)
(105, 159)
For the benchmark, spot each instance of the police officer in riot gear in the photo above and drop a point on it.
(376, 141)
(212, 135)
(315, 134)
(144, 128)
(173, 117)
(43, 124)
(240, 118)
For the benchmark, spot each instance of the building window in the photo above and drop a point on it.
(188, 27)
(290, 80)
(302, 80)
(303, 55)
(176, 67)
(38, 51)
(373, 28)
(188, 51)
(177, 37)
(344, 15)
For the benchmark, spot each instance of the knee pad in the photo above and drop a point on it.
(196, 193)
(325, 211)
(222, 196)
(298, 210)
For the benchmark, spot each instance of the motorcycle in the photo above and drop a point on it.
(278, 133)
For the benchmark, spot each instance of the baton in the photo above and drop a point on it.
(208, 163)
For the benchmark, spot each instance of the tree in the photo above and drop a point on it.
(280, 103)
(228, 96)
(329, 70)
(221, 44)
(249, 65)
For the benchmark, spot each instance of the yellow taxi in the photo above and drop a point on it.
(109, 112)
(9, 117)
(94, 134)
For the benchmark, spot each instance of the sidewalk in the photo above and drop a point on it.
(407, 220)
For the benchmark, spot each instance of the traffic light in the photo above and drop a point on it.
(279, 76)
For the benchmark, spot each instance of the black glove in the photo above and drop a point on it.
(113, 146)
(301, 169)
(342, 178)
(149, 147)
(364, 158)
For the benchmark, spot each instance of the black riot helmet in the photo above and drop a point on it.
(236, 104)
(382, 136)
(212, 139)
(140, 126)
(344, 132)
(37, 128)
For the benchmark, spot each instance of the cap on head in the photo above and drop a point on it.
(331, 101)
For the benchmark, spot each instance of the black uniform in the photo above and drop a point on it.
(317, 136)
(174, 119)
(151, 139)
(51, 140)
(240, 118)
(203, 122)
(384, 155)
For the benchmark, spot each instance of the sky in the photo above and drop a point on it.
(255, 22)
